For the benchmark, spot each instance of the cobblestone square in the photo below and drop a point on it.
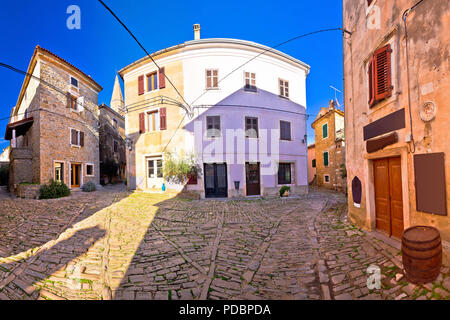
(112, 244)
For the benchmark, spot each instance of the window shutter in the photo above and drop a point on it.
(325, 159)
(162, 78)
(80, 104)
(163, 119)
(371, 75)
(73, 136)
(69, 100)
(141, 122)
(141, 88)
(81, 139)
(382, 58)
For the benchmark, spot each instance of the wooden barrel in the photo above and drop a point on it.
(422, 254)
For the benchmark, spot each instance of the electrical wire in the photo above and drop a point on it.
(270, 49)
(142, 47)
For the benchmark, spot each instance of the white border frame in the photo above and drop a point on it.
(93, 169)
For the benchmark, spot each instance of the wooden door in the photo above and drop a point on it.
(395, 188)
(253, 179)
(388, 196)
(75, 175)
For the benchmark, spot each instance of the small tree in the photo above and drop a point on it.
(178, 170)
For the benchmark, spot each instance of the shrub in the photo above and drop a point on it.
(284, 189)
(4, 175)
(54, 190)
(178, 170)
(89, 187)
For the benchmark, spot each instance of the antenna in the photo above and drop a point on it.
(335, 95)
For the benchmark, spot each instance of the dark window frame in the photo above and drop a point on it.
(252, 125)
(215, 123)
(282, 177)
(282, 137)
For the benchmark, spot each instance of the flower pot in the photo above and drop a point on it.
(286, 193)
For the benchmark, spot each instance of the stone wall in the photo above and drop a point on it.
(107, 135)
(21, 168)
(56, 120)
(336, 154)
(28, 191)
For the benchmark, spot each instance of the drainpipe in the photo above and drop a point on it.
(404, 18)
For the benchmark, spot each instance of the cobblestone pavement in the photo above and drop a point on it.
(111, 244)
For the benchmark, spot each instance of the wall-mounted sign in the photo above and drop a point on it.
(428, 111)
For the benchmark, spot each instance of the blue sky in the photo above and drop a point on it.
(102, 46)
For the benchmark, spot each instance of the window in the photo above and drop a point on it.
(251, 127)
(76, 138)
(250, 81)
(325, 131)
(212, 79)
(155, 168)
(213, 127)
(153, 121)
(114, 123)
(152, 81)
(379, 74)
(284, 88)
(326, 178)
(325, 158)
(284, 173)
(285, 130)
(59, 172)
(116, 146)
(89, 169)
(74, 82)
(314, 163)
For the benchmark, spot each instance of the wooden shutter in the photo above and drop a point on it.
(81, 139)
(142, 122)
(162, 119)
(73, 137)
(382, 70)
(162, 78)
(141, 87)
(325, 159)
(371, 75)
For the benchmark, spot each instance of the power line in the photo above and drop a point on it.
(270, 49)
(142, 47)
(7, 66)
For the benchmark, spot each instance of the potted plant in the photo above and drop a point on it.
(284, 191)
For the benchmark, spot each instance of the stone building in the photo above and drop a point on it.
(227, 126)
(53, 128)
(330, 148)
(112, 138)
(397, 89)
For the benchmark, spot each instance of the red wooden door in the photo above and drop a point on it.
(388, 196)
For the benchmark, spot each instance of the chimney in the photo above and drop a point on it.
(332, 105)
(196, 32)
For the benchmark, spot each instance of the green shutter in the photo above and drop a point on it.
(325, 159)
(314, 163)
(325, 130)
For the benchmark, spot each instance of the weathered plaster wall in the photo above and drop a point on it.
(429, 65)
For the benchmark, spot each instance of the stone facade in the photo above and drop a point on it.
(112, 143)
(49, 138)
(329, 175)
(419, 67)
